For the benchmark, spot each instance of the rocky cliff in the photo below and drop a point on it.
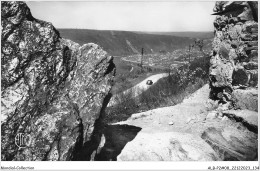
(53, 91)
(234, 61)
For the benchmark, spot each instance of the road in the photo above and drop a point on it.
(139, 88)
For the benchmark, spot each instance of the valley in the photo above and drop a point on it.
(109, 95)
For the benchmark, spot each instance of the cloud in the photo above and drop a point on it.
(131, 16)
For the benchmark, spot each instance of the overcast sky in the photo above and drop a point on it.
(159, 16)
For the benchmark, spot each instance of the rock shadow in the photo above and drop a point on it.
(116, 137)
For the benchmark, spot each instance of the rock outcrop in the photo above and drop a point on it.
(231, 144)
(247, 117)
(167, 146)
(191, 134)
(234, 79)
(223, 127)
(246, 99)
(53, 91)
(234, 60)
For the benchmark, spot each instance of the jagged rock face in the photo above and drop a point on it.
(53, 90)
(233, 79)
(234, 60)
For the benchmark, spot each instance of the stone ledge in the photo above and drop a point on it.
(249, 118)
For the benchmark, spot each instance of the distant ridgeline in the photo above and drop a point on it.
(122, 43)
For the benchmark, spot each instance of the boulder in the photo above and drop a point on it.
(246, 14)
(220, 72)
(53, 90)
(246, 99)
(247, 117)
(167, 146)
(232, 144)
(240, 77)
